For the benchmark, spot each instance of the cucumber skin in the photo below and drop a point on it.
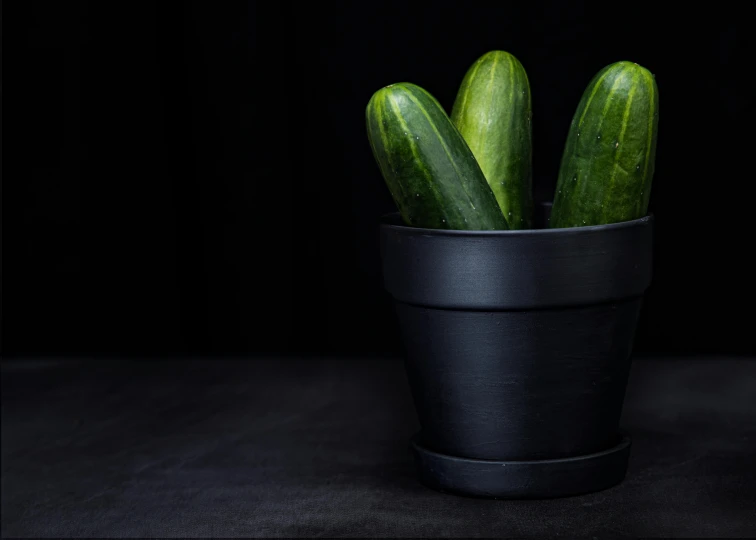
(493, 112)
(429, 169)
(608, 161)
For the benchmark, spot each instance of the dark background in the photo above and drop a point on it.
(195, 179)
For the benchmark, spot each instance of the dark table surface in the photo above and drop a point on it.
(318, 447)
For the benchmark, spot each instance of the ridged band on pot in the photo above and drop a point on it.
(516, 269)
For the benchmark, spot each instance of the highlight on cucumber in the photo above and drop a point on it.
(472, 170)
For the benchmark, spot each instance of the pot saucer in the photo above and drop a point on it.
(542, 479)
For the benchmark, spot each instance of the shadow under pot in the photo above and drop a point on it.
(518, 347)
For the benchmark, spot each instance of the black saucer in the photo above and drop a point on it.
(522, 479)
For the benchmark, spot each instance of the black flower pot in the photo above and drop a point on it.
(518, 349)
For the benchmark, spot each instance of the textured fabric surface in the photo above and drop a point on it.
(318, 447)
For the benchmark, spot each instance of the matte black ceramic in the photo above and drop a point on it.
(518, 342)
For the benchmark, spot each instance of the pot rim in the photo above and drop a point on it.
(391, 220)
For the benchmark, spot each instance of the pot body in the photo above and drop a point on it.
(518, 343)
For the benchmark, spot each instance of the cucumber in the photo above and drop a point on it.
(608, 160)
(493, 112)
(426, 164)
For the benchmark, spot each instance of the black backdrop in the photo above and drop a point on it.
(196, 178)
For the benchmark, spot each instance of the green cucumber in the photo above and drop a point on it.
(608, 160)
(429, 169)
(493, 112)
